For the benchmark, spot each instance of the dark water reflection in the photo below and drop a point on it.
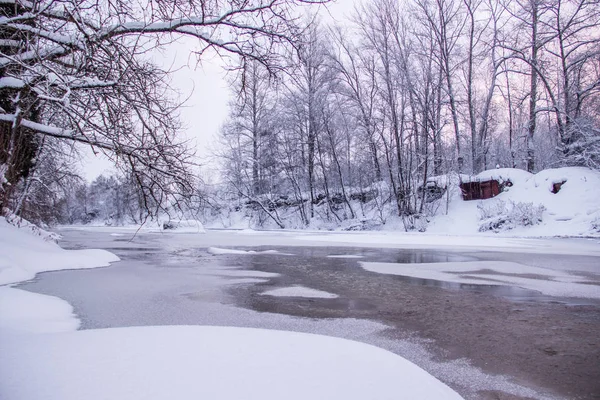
(311, 266)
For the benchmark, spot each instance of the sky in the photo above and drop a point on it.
(205, 88)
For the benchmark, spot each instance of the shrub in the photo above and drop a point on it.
(499, 216)
(35, 230)
(596, 224)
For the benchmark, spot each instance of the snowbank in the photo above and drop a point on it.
(23, 254)
(573, 211)
(25, 312)
(186, 362)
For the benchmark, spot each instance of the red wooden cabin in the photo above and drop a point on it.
(480, 190)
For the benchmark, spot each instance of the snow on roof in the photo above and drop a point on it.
(442, 180)
(514, 175)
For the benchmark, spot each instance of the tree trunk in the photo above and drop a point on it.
(531, 126)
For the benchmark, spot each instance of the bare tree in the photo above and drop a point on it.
(378, 31)
(251, 119)
(484, 27)
(308, 86)
(445, 20)
(562, 59)
(359, 84)
(576, 47)
(76, 70)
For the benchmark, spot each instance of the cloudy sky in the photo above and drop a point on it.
(206, 89)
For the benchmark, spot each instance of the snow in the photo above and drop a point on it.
(574, 205)
(22, 311)
(573, 212)
(502, 175)
(443, 180)
(39, 343)
(570, 212)
(196, 362)
(300, 291)
(219, 251)
(547, 281)
(49, 129)
(10, 42)
(22, 255)
(42, 355)
(10, 82)
(413, 240)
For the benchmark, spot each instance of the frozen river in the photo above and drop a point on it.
(530, 339)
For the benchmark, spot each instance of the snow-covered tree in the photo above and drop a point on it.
(78, 70)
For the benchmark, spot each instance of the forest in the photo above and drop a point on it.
(347, 121)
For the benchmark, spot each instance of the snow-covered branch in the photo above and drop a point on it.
(75, 70)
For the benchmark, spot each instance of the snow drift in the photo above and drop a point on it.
(532, 206)
(203, 362)
(23, 253)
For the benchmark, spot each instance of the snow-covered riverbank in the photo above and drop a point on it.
(42, 355)
(552, 203)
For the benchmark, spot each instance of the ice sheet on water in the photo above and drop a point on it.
(300, 291)
(547, 281)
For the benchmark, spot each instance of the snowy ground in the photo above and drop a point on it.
(527, 207)
(43, 356)
(573, 211)
(185, 362)
(23, 254)
(205, 362)
(25, 312)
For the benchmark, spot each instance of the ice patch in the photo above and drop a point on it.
(246, 281)
(344, 256)
(410, 240)
(544, 280)
(218, 251)
(300, 291)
